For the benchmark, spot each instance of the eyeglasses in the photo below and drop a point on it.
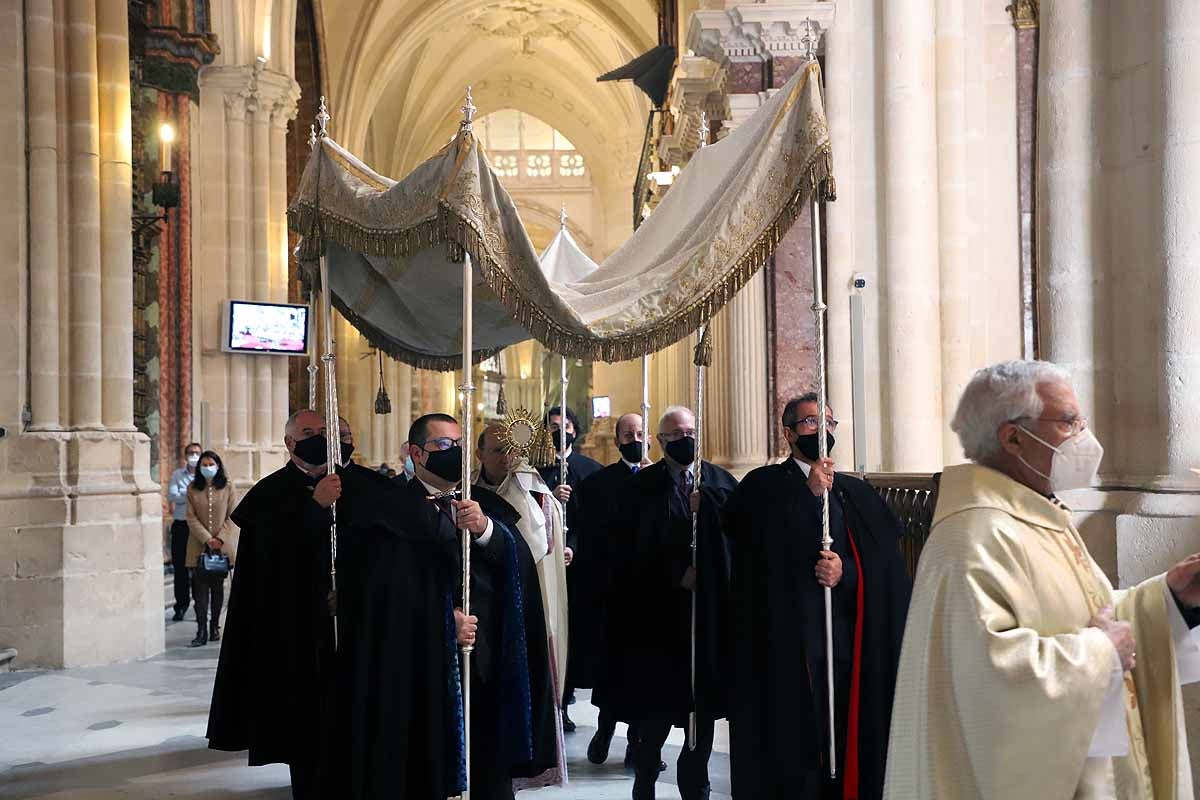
(443, 443)
(679, 433)
(812, 421)
(1068, 426)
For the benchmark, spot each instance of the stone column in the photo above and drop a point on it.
(913, 397)
(1180, 243)
(839, 225)
(258, 265)
(283, 112)
(242, 238)
(237, 167)
(1072, 300)
(953, 225)
(80, 526)
(44, 265)
(83, 137)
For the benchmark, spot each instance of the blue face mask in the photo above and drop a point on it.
(409, 469)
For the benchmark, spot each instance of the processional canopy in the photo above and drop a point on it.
(395, 248)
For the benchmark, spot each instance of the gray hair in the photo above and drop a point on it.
(998, 394)
(672, 411)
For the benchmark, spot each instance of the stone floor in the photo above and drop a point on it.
(135, 731)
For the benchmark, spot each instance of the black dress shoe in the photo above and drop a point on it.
(214, 635)
(177, 616)
(597, 751)
(568, 724)
(199, 641)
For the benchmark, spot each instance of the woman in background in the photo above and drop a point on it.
(210, 503)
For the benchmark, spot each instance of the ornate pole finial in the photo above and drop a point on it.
(312, 136)
(468, 111)
(812, 36)
(704, 129)
(562, 217)
(323, 120)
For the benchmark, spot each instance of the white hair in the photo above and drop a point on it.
(672, 411)
(998, 394)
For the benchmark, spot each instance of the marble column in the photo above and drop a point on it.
(954, 273)
(282, 113)
(913, 397)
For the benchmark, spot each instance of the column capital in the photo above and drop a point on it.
(758, 32)
(698, 85)
(253, 88)
(1024, 13)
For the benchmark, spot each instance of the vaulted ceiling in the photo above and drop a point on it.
(398, 71)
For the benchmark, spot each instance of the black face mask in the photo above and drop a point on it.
(683, 451)
(557, 436)
(807, 444)
(631, 452)
(347, 451)
(446, 464)
(313, 450)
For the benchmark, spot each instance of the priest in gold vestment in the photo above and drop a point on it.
(1024, 675)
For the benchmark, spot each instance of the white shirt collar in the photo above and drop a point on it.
(804, 467)
(630, 464)
(432, 490)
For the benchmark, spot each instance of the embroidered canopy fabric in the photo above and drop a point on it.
(395, 249)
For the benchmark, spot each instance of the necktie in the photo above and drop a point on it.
(635, 468)
(685, 487)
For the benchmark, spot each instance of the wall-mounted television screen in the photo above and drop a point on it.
(272, 328)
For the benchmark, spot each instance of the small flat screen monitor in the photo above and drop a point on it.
(601, 408)
(269, 328)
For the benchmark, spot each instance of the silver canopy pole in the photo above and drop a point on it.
(697, 469)
(818, 308)
(645, 407)
(467, 416)
(312, 313)
(329, 359)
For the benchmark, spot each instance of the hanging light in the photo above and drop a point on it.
(383, 404)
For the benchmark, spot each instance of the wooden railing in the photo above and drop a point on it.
(912, 498)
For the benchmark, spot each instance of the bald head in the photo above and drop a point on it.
(675, 418)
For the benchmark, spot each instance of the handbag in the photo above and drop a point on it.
(213, 564)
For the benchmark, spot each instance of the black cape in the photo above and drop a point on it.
(581, 627)
(273, 690)
(399, 671)
(399, 698)
(605, 544)
(650, 676)
(778, 730)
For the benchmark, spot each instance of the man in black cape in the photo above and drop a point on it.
(273, 694)
(651, 682)
(580, 595)
(404, 735)
(606, 543)
(779, 723)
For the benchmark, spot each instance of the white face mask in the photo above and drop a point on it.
(1074, 463)
(193, 460)
(209, 471)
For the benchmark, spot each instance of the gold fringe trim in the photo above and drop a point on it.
(460, 235)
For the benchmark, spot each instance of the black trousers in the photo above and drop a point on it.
(179, 540)
(691, 767)
(205, 588)
(607, 724)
